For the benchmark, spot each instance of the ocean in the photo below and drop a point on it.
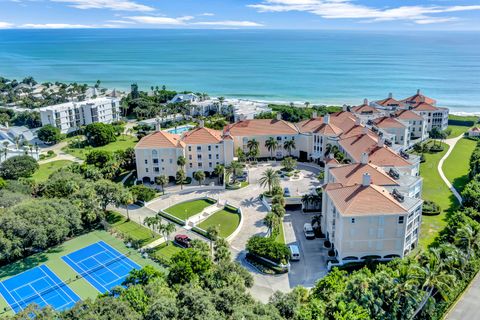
(328, 67)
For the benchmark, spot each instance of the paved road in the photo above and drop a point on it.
(451, 144)
(467, 306)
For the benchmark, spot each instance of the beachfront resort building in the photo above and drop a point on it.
(70, 116)
(203, 148)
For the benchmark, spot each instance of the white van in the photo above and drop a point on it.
(294, 252)
(308, 231)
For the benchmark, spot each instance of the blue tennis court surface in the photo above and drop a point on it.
(38, 285)
(101, 265)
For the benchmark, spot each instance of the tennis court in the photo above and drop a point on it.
(38, 285)
(101, 265)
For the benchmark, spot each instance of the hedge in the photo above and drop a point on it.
(171, 218)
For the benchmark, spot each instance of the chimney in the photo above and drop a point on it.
(418, 91)
(345, 107)
(364, 159)
(157, 125)
(357, 121)
(279, 116)
(390, 95)
(365, 101)
(326, 119)
(366, 180)
(201, 124)
(314, 114)
(381, 142)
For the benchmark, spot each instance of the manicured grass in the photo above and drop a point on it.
(226, 219)
(457, 130)
(166, 251)
(436, 190)
(457, 165)
(123, 142)
(131, 229)
(52, 258)
(48, 168)
(187, 209)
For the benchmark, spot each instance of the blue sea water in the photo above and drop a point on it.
(275, 65)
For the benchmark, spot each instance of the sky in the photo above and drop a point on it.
(242, 14)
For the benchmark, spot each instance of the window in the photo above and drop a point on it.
(199, 157)
(216, 147)
(209, 148)
(209, 156)
(401, 219)
(353, 220)
(146, 170)
(156, 169)
(189, 148)
(189, 157)
(279, 138)
(190, 165)
(155, 161)
(210, 164)
(217, 157)
(199, 164)
(199, 148)
(146, 161)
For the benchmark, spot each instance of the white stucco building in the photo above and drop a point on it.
(70, 116)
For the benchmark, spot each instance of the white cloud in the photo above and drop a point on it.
(207, 14)
(5, 25)
(160, 20)
(119, 5)
(120, 22)
(346, 9)
(56, 26)
(229, 23)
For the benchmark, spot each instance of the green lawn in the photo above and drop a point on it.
(123, 142)
(457, 130)
(52, 258)
(457, 165)
(187, 209)
(436, 190)
(48, 168)
(134, 230)
(226, 219)
(166, 251)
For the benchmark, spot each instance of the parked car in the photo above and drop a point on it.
(286, 192)
(294, 252)
(308, 231)
(183, 240)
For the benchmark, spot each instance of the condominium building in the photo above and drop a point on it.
(436, 117)
(203, 148)
(417, 125)
(365, 220)
(70, 116)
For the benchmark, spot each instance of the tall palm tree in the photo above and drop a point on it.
(432, 277)
(289, 145)
(219, 171)
(212, 234)
(180, 177)
(161, 181)
(468, 239)
(252, 145)
(269, 178)
(166, 230)
(271, 144)
(306, 201)
(270, 221)
(151, 222)
(126, 199)
(199, 176)
(222, 253)
(233, 170)
(181, 161)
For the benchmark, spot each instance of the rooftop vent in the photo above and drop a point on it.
(398, 196)
(394, 174)
(404, 155)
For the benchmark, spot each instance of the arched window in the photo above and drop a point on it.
(154, 153)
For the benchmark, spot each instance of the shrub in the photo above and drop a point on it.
(100, 134)
(18, 167)
(143, 193)
(268, 248)
(430, 208)
(49, 134)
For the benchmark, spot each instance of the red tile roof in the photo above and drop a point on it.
(363, 200)
(365, 109)
(388, 122)
(351, 174)
(424, 106)
(160, 139)
(202, 136)
(390, 102)
(408, 115)
(317, 125)
(260, 127)
(419, 97)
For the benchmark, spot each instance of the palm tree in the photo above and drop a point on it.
(219, 171)
(126, 199)
(212, 234)
(252, 146)
(278, 211)
(151, 222)
(271, 144)
(233, 170)
(180, 177)
(166, 230)
(199, 176)
(307, 104)
(306, 201)
(161, 181)
(433, 278)
(468, 239)
(181, 161)
(222, 253)
(269, 178)
(221, 100)
(289, 145)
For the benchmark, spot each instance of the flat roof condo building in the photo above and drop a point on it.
(70, 116)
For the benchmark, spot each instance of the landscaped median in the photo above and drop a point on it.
(202, 214)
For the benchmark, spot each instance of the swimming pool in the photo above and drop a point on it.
(179, 130)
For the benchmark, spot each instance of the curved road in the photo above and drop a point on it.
(451, 144)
